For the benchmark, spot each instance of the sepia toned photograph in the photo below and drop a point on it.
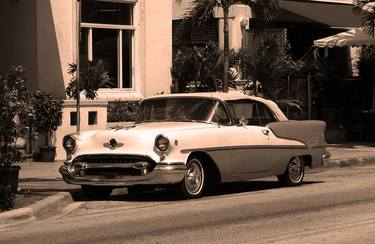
(187, 121)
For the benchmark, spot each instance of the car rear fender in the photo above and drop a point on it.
(310, 132)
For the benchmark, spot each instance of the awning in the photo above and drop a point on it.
(334, 15)
(353, 37)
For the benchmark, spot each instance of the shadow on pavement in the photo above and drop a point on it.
(164, 195)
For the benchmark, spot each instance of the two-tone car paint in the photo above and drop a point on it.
(239, 151)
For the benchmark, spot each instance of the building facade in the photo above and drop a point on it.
(301, 22)
(133, 38)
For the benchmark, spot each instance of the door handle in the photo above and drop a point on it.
(265, 132)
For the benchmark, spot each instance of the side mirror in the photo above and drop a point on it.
(243, 122)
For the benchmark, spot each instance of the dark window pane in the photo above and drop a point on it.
(244, 110)
(265, 115)
(93, 117)
(220, 115)
(83, 46)
(127, 59)
(105, 48)
(107, 12)
(73, 118)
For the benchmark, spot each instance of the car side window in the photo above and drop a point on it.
(243, 110)
(251, 112)
(265, 114)
(220, 116)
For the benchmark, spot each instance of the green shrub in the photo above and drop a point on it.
(14, 104)
(123, 111)
(48, 114)
(200, 69)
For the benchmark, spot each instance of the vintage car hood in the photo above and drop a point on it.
(136, 139)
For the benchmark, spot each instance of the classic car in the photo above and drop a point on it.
(189, 141)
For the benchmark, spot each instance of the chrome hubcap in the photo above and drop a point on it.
(194, 177)
(295, 170)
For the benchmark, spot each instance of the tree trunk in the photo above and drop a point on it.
(47, 139)
(226, 47)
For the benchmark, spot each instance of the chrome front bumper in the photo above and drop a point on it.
(162, 174)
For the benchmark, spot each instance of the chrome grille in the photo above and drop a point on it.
(112, 172)
(114, 159)
(112, 166)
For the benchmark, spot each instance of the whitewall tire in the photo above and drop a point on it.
(294, 173)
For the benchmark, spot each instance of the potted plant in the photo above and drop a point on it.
(48, 115)
(13, 103)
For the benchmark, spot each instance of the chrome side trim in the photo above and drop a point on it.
(210, 149)
(287, 138)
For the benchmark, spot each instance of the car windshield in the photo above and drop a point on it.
(182, 109)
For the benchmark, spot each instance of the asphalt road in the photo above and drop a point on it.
(333, 206)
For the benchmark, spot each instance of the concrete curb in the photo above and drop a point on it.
(41, 209)
(347, 162)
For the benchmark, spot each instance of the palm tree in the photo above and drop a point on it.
(367, 11)
(203, 10)
(366, 64)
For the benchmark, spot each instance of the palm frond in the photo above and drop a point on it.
(291, 103)
(93, 76)
(201, 11)
(366, 8)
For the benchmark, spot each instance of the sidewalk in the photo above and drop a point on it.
(42, 176)
(350, 154)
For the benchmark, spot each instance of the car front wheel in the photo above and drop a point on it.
(294, 173)
(194, 182)
(97, 192)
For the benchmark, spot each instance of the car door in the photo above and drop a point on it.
(251, 152)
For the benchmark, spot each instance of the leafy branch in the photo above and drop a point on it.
(93, 76)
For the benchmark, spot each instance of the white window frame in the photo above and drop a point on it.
(120, 92)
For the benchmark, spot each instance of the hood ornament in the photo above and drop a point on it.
(113, 144)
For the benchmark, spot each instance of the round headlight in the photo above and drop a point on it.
(162, 143)
(69, 143)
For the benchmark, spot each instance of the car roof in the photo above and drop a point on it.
(224, 96)
(228, 96)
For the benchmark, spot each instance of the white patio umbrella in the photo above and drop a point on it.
(353, 37)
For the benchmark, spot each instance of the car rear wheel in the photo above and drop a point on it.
(194, 182)
(294, 173)
(97, 192)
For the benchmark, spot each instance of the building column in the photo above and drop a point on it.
(237, 15)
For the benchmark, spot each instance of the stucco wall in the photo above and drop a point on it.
(18, 42)
(180, 9)
(41, 35)
(55, 44)
(86, 106)
(157, 41)
(37, 34)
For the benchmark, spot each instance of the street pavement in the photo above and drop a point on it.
(43, 177)
(333, 206)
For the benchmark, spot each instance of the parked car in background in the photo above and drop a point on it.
(191, 140)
